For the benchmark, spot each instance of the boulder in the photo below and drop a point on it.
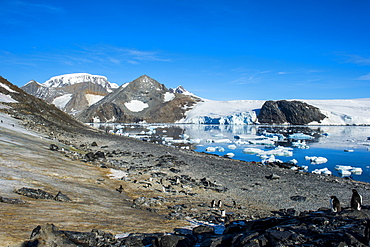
(62, 198)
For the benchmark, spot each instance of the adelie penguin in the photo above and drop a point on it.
(334, 204)
(356, 200)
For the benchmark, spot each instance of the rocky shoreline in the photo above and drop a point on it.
(257, 205)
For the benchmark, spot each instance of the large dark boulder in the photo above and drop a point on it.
(292, 112)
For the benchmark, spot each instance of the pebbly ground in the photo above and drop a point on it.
(247, 184)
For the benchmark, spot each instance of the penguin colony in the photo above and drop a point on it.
(356, 202)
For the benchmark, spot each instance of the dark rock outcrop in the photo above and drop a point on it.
(320, 228)
(293, 112)
(35, 193)
(41, 194)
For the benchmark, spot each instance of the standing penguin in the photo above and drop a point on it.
(335, 204)
(356, 200)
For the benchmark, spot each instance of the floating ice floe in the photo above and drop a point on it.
(277, 136)
(270, 160)
(348, 170)
(230, 155)
(300, 144)
(278, 151)
(356, 170)
(252, 150)
(232, 146)
(324, 171)
(293, 161)
(210, 149)
(344, 173)
(300, 136)
(316, 160)
(222, 141)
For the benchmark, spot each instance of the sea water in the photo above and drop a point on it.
(340, 145)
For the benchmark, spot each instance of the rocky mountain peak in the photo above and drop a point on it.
(146, 84)
(180, 89)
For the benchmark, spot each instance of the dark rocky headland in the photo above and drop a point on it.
(70, 199)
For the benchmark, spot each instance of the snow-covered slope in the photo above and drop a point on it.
(70, 79)
(343, 112)
(338, 112)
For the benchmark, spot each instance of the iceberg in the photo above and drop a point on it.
(300, 144)
(232, 146)
(210, 149)
(300, 136)
(356, 170)
(324, 171)
(230, 155)
(316, 160)
(278, 151)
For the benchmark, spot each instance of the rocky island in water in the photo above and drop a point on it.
(66, 184)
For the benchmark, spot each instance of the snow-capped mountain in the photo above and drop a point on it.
(142, 100)
(71, 79)
(71, 92)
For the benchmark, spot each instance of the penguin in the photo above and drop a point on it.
(219, 203)
(356, 200)
(120, 189)
(335, 204)
(213, 204)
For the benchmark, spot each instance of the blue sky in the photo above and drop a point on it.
(220, 50)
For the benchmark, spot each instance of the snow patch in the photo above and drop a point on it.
(117, 174)
(168, 96)
(136, 105)
(93, 98)
(7, 88)
(7, 99)
(62, 101)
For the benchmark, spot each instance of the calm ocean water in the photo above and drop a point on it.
(340, 145)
